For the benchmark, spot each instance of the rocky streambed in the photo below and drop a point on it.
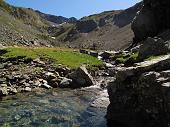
(35, 93)
(52, 108)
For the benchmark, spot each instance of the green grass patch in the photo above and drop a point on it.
(6, 125)
(127, 59)
(19, 52)
(67, 57)
(153, 57)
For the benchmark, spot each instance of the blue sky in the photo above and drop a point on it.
(73, 8)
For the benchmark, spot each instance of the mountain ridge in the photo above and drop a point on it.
(94, 31)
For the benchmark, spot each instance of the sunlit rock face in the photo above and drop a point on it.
(152, 19)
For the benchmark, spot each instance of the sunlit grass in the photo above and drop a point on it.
(66, 57)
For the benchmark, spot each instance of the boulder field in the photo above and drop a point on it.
(19, 75)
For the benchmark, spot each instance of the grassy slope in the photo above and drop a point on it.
(66, 57)
(28, 16)
(22, 22)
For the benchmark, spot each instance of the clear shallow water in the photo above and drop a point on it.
(57, 108)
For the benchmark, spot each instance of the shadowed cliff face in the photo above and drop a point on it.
(126, 17)
(139, 97)
(153, 19)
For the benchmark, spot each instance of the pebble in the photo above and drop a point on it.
(28, 89)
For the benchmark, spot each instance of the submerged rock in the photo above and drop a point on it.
(4, 91)
(102, 101)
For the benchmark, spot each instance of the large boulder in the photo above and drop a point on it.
(65, 83)
(153, 47)
(144, 25)
(139, 97)
(81, 78)
(153, 18)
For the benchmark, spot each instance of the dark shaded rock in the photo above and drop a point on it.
(86, 26)
(84, 51)
(111, 71)
(49, 76)
(126, 16)
(165, 35)
(54, 82)
(57, 19)
(93, 53)
(102, 22)
(52, 78)
(135, 49)
(139, 97)
(63, 70)
(144, 25)
(153, 47)
(107, 54)
(153, 18)
(2, 80)
(65, 83)
(81, 78)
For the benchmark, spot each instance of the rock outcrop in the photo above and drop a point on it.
(153, 47)
(81, 78)
(153, 19)
(140, 95)
(86, 26)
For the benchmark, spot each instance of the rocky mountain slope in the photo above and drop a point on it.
(107, 30)
(24, 26)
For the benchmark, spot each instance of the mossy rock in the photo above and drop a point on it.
(128, 59)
